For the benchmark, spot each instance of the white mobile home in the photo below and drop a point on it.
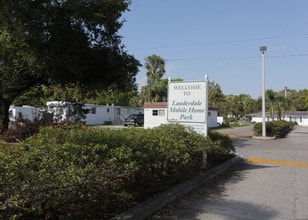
(300, 117)
(97, 114)
(25, 112)
(109, 114)
(155, 114)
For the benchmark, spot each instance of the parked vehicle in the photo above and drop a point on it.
(134, 119)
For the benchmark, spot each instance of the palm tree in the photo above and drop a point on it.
(155, 66)
(277, 103)
(270, 94)
(215, 94)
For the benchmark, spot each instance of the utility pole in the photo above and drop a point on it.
(263, 49)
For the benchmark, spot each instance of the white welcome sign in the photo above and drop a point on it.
(188, 105)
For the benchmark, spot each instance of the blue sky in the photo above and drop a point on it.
(222, 38)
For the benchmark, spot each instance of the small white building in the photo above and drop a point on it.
(97, 114)
(26, 112)
(300, 117)
(155, 114)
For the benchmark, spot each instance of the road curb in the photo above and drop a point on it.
(155, 203)
(264, 138)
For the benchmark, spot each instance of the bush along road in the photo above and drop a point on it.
(73, 171)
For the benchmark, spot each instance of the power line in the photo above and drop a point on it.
(236, 58)
(290, 55)
(221, 42)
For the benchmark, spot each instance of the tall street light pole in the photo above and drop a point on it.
(263, 49)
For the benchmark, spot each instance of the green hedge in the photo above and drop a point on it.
(73, 172)
(223, 148)
(273, 128)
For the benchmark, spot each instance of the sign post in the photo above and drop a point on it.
(188, 104)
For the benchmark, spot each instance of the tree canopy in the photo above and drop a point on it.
(62, 41)
(156, 90)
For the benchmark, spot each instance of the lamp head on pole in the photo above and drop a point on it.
(263, 49)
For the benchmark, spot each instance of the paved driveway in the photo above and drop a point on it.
(271, 184)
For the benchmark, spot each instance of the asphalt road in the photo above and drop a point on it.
(271, 184)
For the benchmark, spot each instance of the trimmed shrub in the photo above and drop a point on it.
(76, 172)
(273, 128)
(222, 148)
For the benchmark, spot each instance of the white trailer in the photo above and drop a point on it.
(96, 114)
(26, 112)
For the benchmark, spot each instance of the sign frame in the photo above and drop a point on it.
(188, 104)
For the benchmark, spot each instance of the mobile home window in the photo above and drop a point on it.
(155, 112)
(161, 112)
(93, 110)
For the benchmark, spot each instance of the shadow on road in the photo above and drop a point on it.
(242, 142)
(210, 200)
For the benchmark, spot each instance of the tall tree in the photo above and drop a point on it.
(215, 94)
(155, 66)
(305, 99)
(247, 104)
(271, 97)
(299, 100)
(59, 42)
